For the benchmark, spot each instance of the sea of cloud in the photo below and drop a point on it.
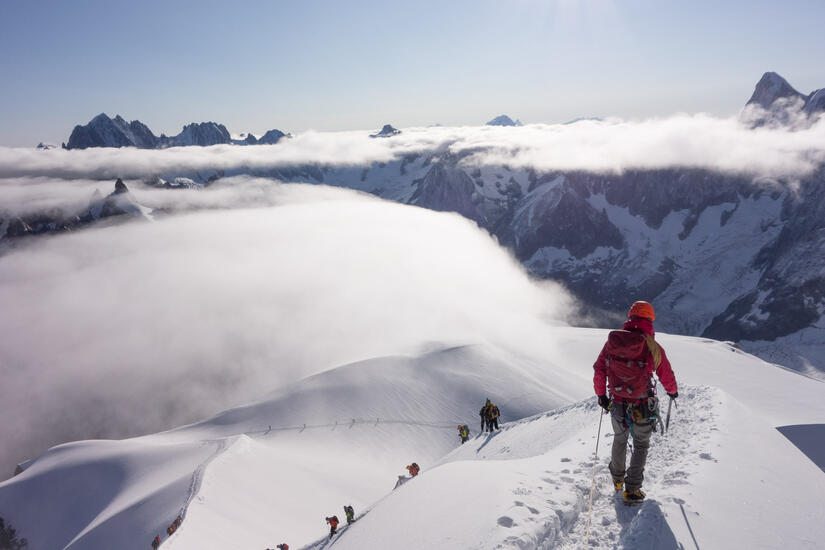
(611, 145)
(249, 284)
(137, 327)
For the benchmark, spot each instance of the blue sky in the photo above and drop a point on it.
(334, 65)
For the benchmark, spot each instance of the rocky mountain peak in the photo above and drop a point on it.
(386, 131)
(816, 102)
(770, 88)
(103, 131)
(120, 187)
(271, 137)
(504, 120)
(203, 134)
(102, 118)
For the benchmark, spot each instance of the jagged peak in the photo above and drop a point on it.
(120, 187)
(771, 76)
(386, 131)
(771, 87)
(272, 136)
(503, 120)
(202, 124)
(102, 117)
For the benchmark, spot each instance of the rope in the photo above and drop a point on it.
(593, 482)
(352, 421)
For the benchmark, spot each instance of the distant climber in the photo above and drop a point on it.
(177, 522)
(463, 433)
(413, 469)
(484, 413)
(626, 366)
(333, 525)
(350, 513)
(156, 542)
(283, 546)
(489, 416)
(494, 414)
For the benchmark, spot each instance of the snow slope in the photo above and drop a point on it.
(270, 472)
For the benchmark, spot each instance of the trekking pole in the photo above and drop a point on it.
(667, 422)
(593, 481)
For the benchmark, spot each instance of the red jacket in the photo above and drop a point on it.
(628, 382)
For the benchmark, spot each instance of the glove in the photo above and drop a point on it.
(673, 395)
(604, 402)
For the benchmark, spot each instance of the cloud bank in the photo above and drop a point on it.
(133, 328)
(613, 145)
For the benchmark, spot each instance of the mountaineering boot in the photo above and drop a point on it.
(636, 496)
(619, 485)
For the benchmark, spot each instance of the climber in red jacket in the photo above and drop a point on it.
(625, 367)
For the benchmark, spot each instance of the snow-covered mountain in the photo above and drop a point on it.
(119, 202)
(386, 131)
(270, 472)
(504, 120)
(738, 257)
(202, 134)
(776, 103)
(103, 131)
(272, 137)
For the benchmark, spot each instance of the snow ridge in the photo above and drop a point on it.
(536, 476)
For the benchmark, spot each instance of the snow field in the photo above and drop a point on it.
(343, 437)
(527, 486)
(269, 472)
(99, 494)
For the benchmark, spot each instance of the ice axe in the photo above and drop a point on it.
(669, 405)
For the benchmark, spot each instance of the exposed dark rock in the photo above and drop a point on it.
(271, 137)
(504, 120)
(785, 310)
(18, 228)
(653, 194)
(103, 131)
(770, 88)
(386, 131)
(557, 215)
(55, 220)
(120, 187)
(448, 189)
(775, 103)
(202, 134)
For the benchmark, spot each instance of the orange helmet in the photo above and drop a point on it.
(642, 309)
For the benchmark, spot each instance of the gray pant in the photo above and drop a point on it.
(634, 476)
